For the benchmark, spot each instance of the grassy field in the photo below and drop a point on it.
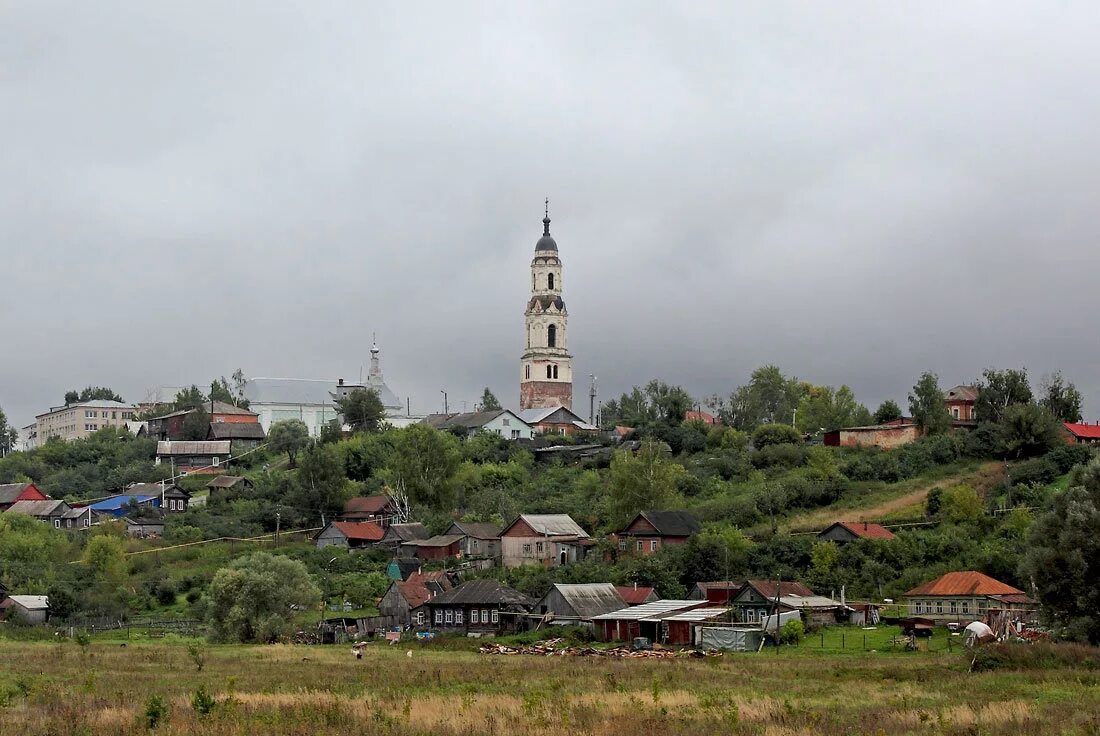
(59, 688)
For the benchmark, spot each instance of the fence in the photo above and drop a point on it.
(150, 627)
(884, 639)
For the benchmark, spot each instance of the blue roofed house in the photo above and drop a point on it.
(122, 504)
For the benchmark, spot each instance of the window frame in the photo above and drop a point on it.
(496, 616)
(474, 616)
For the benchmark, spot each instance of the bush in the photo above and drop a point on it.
(155, 711)
(1038, 472)
(202, 702)
(1067, 456)
(165, 592)
(791, 632)
(1037, 656)
(784, 456)
(775, 434)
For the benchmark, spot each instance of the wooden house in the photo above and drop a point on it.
(350, 534)
(27, 609)
(225, 483)
(849, 531)
(968, 596)
(146, 523)
(242, 436)
(79, 517)
(199, 456)
(10, 493)
(170, 427)
(644, 620)
(649, 531)
(380, 509)
(439, 547)
(479, 607)
(755, 600)
(397, 535)
(716, 591)
(578, 602)
(172, 498)
(479, 539)
(549, 540)
(51, 512)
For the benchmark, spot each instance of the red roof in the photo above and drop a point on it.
(1084, 431)
(634, 596)
(367, 531)
(768, 588)
(967, 582)
(366, 505)
(866, 530)
(416, 593)
(436, 576)
(700, 416)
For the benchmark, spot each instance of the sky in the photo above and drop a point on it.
(856, 192)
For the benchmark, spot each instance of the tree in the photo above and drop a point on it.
(196, 425)
(775, 434)
(656, 402)
(423, 465)
(926, 405)
(289, 436)
(321, 484)
(1028, 430)
(239, 385)
(671, 403)
(489, 401)
(362, 410)
(643, 481)
(769, 397)
(189, 398)
(1061, 398)
(1063, 557)
(8, 435)
(220, 391)
(71, 397)
(105, 556)
(887, 411)
(91, 393)
(822, 409)
(1000, 389)
(960, 504)
(254, 598)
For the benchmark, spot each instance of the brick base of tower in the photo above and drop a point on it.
(545, 394)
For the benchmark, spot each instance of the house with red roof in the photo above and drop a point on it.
(405, 601)
(350, 534)
(1081, 434)
(636, 595)
(849, 531)
(701, 416)
(12, 493)
(380, 509)
(960, 402)
(967, 595)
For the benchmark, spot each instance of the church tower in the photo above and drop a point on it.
(546, 369)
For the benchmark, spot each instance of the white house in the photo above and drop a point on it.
(503, 422)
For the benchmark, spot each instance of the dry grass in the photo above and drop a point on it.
(55, 689)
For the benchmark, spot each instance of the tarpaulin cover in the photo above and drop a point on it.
(735, 640)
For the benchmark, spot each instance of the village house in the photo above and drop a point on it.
(79, 517)
(399, 534)
(633, 621)
(636, 595)
(479, 539)
(242, 436)
(479, 607)
(171, 497)
(556, 420)
(577, 602)
(698, 415)
(682, 628)
(758, 599)
(717, 591)
(550, 540)
(649, 531)
(967, 596)
(51, 512)
(850, 531)
(350, 534)
(960, 402)
(886, 436)
(145, 523)
(381, 509)
(10, 493)
(170, 426)
(404, 601)
(502, 422)
(224, 483)
(205, 456)
(1074, 433)
(402, 568)
(122, 504)
(439, 547)
(26, 609)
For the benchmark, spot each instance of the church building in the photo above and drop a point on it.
(546, 369)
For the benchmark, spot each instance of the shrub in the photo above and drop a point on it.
(775, 434)
(1037, 656)
(165, 592)
(791, 632)
(1067, 456)
(155, 711)
(1038, 472)
(784, 455)
(202, 702)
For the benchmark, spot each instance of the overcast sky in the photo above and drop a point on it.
(854, 192)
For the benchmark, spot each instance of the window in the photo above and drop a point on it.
(552, 336)
(534, 282)
(114, 415)
(939, 606)
(473, 545)
(474, 618)
(88, 414)
(214, 461)
(527, 371)
(57, 523)
(439, 616)
(638, 545)
(87, 521)
(549, 372)
(484, 615)
(966, 606)
(555, 371)
(515, 434)
(458, 616)
(539, 547)
(550, 282)
(527, 549)
(419, 618)
(750, 615)
(450, 616)
(952, 606)
(653, 545)
(496, 617)
(955, 412)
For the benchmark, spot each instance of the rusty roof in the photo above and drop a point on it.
(769, 589)
(961, 393)
(966, 582)
(864, 529)
(367, 504)
(414, 592)
(363, 530)
(636, 595)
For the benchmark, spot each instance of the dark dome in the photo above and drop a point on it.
(546, 242)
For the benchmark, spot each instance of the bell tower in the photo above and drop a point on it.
(546, 368)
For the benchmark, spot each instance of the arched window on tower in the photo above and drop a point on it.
(534, 282)
(550, 282)
(552, 336)
(527, 370)
(549, 372)
(555, 371)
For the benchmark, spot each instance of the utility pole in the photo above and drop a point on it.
(592, 399)
(278, 523)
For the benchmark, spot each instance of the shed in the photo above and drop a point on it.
(730, 638)
(570, 603)
(680, 628)
(147, 522)
(633, 621)
(398, 534)
(350, 534)
(439, 547)
(27, 609)
(227, 483)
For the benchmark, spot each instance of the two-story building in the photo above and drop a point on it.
(967, 596)
(549, 540)
(649, 531)
(170, 426)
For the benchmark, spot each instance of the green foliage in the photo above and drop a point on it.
(188, 398)
(769, 397)
(290, 436)
(1028, 430)
(926, 405)
(320, 486)
(423, 466)
(489, 402)
(657, 402)
(254, 598)
(1063, 557)
(961, 504)
(775, 434)
(1000, 389)
(91, 393)
(791, 632)
(1066, 457)
(29, 550)
(822, 409)
(8, 435)
(646, 480)
(362, 410)
(1060, 398)
(156, 711)
(887, 411)
(203, 703)
(196, 425)
(105, 557)
(197, 653)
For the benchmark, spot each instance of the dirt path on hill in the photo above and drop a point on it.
(981, 478)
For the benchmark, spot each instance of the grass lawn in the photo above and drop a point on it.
(58, 688)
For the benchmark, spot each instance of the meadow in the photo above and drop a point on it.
(182, 687)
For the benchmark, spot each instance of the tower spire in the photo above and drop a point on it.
(546, 219)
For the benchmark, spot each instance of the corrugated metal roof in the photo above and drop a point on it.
(194, 447)
(439, 540)
(695, 614)
(477, 529)
(635, 595)
(366, 531)
(553, 525)
(117, 502)
(808, 601)
(37, 508)
(648, 610)
(590, 599)
(31, 602)
(486, 591)
(1084, 431)
(966, 582)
